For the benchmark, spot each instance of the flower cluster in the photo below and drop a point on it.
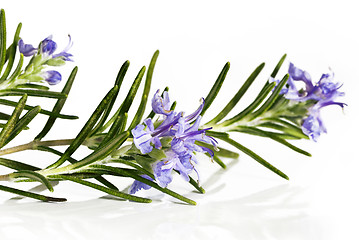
(182, 131)
(323, 93)
(42, 56)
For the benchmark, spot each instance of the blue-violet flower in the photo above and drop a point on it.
(26, 49)
(184, 133)
(52, 77)
(323, 93)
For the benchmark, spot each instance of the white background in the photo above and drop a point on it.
(195, 39)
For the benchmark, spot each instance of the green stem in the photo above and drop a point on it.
(34, 144)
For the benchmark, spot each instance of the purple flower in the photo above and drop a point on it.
(313, 126)
(143, 138)
(182, 163)
(26, 49)
(187, 135)
(180, 154)
(323, 93)
(64, 53)
(48, 47)
(137, 185)
(161, 105)
(163, 170)
(52, 77)
(296, 74)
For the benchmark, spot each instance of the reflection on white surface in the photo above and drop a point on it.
(235, 206)
(273, 213)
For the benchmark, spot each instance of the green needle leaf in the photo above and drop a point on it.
(17, 165)
(284, 129)
(146, 90)
(278, 66)
(6, 131)
(265, 91)
(100, 127)
(221, 152)
(4, 116)
(86, 129)
(238, 96)
(2, 39)
(275, 71)
(31, 195)
(215, 89)
(126, 104)
(132, 92)
(30, 92)
(11, 53)
(284, 126)
(101, 152)
(103, 189)
(33, 86)
(117, 127)
(275, 137)
(254, 156)
(134, 165)
(58, 106)
(146, 181)
(271, 99)
(194, 183)
(219, 162)
(34, 176)
(23, 122)
(45, 112)
(72, 160)
(17, 69)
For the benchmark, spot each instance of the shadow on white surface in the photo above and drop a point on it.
(274, 213)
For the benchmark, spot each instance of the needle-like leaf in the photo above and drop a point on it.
(215, 89)
(2, 39)
(58, 106)
(11, 54)
(86, 129)
(238, 96)
(33, 175)
(10, 125)
(254, 156)
(103, 189)
(146, 90)
(31, 195)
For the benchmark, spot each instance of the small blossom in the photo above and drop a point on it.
(180, 154)
(52, 77)
(48, 47)
(323, 93)
(142, 138)
(64, 53)
(137, 185)
(163, 170)
(296, 74)
(313, 126)
(161, 105)
(26, 49)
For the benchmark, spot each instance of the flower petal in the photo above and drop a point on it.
(137, 185)
(26, 49)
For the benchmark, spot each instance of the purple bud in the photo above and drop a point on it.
(26, 49)
(48, 46)
(52, 77)
(161, 105)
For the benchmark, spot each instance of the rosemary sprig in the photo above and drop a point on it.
(146, 150)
